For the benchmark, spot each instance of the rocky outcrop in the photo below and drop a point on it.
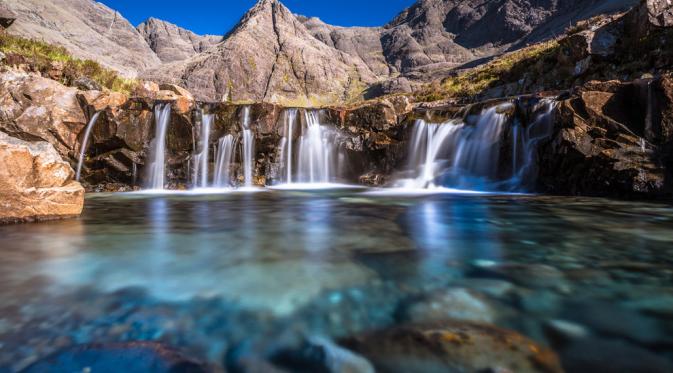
(610, 140)
(172, 43)
(35, 183)
(87, 29)
(287, 64)
(453, 347)
(7, 17)
(36, 108)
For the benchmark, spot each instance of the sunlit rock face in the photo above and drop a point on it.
(87, 29)
(172, 43)
(35, 183)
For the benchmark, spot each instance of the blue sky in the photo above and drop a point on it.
(219, 16)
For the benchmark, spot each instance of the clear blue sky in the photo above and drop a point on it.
(219, 16)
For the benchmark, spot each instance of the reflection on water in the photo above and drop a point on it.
(331, 262)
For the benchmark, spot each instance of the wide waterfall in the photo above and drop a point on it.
(85, 142)
(224, 159)
(465, 154)
(157, 165)
(201, 159)
(248, 148)
(313, 157)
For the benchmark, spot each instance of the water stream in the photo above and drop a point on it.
(202, 159)
(157, 164)
(85, 143)
(248, 148)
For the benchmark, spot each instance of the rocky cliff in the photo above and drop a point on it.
(172, 43)
(88, 29)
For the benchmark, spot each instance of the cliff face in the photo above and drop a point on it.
(88, 29)
(172, 43)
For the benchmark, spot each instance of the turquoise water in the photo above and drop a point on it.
(208, 272)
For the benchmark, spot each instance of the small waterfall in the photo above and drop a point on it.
(248, 148)
(201, 159)
(157, 169)
(225, 152)
(287, 143)
(85, 143)
(316, 157)
(466, 154)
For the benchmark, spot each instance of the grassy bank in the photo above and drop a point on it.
(46, 58)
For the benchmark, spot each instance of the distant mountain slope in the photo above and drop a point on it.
(88, 29)
(172, 43)
(270, 55)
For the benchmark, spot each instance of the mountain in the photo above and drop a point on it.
(88, 29)
(172, 43)
(271, 56)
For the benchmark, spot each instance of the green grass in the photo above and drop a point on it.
(499, 71)
(41, 56)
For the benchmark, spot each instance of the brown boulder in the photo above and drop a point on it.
(7, 17)
(453, 347)
(36, 108)
(146, 89)
(99, 101)
(35, 183)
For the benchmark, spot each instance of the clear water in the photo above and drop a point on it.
(205, 272)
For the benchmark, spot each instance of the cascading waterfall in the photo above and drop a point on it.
(224, 158)
(201, 158)
(85, 143)
(248, 148)
(157, 166)
(462, 155)
(313, 158)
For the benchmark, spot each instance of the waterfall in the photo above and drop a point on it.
(248, 148)
(314, 156)
(225, 152)
(465, 154)
(85, 142)
(201, 158)
(286, 144)
(157, 169)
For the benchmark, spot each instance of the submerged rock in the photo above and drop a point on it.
(451, 304)
(35, 183)
(611, 356)
(453, 347)
(134, 357)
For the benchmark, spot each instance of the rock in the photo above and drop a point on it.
(177, 90)
(133, 357)
(320, 355)
(660, 12)
(611, 356)
(453, 347)
(597, 147)
(35, 183)
(561, 332)
(172, 43)
(99, 101)
(87, 84)
(607, 319)
(451, 304)
(36, 108)
(87, 29)
(528, 275)
(7, 17)
(146, 89)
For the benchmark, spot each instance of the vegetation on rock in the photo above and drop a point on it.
(57, 63)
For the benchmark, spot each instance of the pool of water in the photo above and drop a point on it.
(209, 272)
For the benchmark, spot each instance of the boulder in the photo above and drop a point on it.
(99, 100)
(35, 183)
(146, 88)
(449, 304)
(35, 108)
(7, 17)
(453, 347)
(660, 12)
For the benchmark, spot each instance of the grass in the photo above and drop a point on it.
(41, 57)
(502, 70)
